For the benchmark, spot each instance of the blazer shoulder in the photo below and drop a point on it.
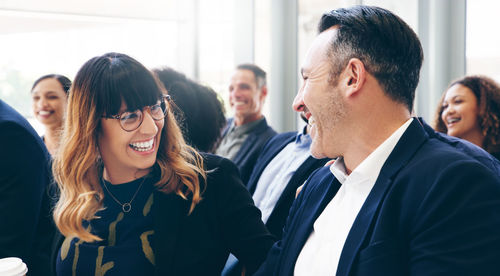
(284, 136)
(21, 141)
(270, 132)
(16, 129)
(278, 139)
(261, 138)
(442, 150)
(264, 129)
(462, 147)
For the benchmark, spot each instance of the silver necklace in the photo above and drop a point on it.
(127, 206)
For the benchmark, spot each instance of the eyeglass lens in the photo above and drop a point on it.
(132, 120)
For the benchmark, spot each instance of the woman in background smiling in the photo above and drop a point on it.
(49, 99)
(470, 109)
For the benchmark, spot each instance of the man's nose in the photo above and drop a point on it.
(298, 103)
(235, 92)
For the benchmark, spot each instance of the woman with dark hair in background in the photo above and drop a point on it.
(135, 199)
(50, 96)
(200, 113)
(470, 109)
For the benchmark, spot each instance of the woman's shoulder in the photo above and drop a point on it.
(224, 190)
(215, 162)
(221, 173)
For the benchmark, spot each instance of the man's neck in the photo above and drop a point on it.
(368, 137)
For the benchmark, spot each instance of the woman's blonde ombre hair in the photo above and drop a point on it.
(99, 88)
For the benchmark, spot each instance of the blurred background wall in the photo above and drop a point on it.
(206, 39)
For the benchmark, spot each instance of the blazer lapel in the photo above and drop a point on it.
(317, 198)
(409, 143)
(245, 148)
(250, 141)
(226, 128)
(169, 210)
(262, 164)
(298, 178)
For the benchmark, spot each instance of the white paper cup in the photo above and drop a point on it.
(12, 266)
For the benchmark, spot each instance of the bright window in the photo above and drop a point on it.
(482, 41)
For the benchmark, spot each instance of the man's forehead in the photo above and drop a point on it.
(243, 75)
(318, 51)
(324, 39)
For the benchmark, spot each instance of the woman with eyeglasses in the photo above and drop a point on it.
(134, 198)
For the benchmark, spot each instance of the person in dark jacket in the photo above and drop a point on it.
(246, 133)
(27, 227)
(283, 166)
(135, 199)
(400, 199)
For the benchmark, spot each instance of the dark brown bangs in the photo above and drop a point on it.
(123, 78)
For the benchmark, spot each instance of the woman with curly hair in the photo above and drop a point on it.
(135, 199)
(470, 109)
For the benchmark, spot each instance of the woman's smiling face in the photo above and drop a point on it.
(49, 102)
(133, 153)
(460, 112)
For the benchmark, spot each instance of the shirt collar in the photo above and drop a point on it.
(370, 167)
(338, 170)
(302, 140)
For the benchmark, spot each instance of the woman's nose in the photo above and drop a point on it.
(42, 102)
(450, 109)
(148, 125)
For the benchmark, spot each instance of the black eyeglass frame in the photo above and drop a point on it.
(164, 99)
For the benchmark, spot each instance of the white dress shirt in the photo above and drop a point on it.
(321, 252)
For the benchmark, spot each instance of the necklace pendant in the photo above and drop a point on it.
(126, 207)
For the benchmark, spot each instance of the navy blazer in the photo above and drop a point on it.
(275, 145)
(432, 211)
(250, 149)
(26, 225)
(199, 243)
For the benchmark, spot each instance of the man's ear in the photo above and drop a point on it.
(355, 76)
(263, 92)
